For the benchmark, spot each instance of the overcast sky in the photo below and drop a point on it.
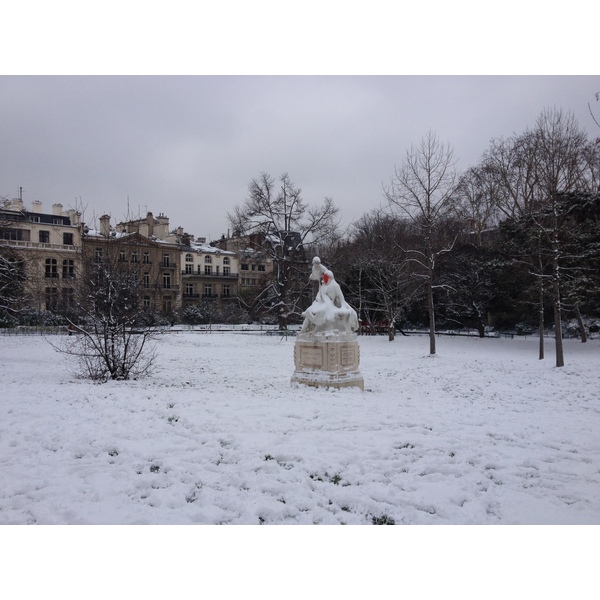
(187, 146)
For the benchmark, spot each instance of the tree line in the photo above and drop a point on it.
(511, 243)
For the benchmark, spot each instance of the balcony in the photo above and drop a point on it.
(37, 245)
(211, 276)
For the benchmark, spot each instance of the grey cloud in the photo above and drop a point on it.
(188, 146)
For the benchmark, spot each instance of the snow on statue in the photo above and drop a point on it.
(326, 352)
(329, 312)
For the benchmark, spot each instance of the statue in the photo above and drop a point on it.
(326, 352)
(329, 312)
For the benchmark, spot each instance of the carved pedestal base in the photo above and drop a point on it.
(327, 360)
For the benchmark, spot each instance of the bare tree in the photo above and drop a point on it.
(286, 225)
(532, 170)
(12, 279)
(476, 201)
(381, 280)
(423, 188)
(109, 338)
(560, 168)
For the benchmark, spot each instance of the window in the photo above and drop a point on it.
(189, 269)
(134, 257)
(244, 266)
(167, 281)
(51, 298)
(208, 260)
(122, 256)
(216, 269)
(68, 269)
(261, 268)
(189, 258)
(226, 260)
(208, 289)
(44, 237)
(68, 295)
(98, 255)
(57, 221)
(51, 267)
(146, 258)
(199, 270)
(146, 280)
(226, 270)
(189, 289)
(207, 270)
(226, 291)
(146, 302)
(167, 305)
(68, 239)
(166, 260)
(254, 267)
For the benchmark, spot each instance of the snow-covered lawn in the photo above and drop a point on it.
(481, 433)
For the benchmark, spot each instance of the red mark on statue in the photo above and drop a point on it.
(325, 278)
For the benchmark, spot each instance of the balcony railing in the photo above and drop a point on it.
(43, 245)
(211, 276)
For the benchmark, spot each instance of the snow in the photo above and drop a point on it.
(482, 433)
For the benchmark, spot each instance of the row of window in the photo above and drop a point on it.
(167, 303)
(247, 267)
(207, 259)
(23, 235)
(134, 257)
(51, 268)
(61, 298)
(56, 298)
(189, 270)
(190, 290)
(166, 281)
(55, 220)
(44, 238)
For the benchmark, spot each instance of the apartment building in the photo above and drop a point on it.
(208, 274)
(134, 247)
(49, 244)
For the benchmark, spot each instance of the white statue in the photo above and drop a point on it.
(329, 312)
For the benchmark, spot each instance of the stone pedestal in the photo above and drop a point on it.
(327, 360)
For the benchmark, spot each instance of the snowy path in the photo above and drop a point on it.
(482, 433)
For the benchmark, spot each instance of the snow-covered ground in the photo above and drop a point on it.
(481, 433)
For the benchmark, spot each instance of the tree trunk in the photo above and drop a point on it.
(541, 319)
(540, 302)
(431, 312)
(580, 324)
(560, 359)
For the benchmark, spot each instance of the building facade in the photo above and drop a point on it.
(49, 245)
(155, 263)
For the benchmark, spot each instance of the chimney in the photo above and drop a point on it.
(105, 225)
(74, 216)
(36, 206)
(150, 221)
(57, 209)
